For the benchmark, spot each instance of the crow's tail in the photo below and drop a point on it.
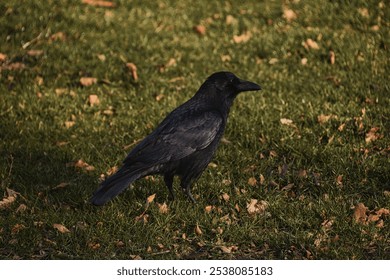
(114, 185)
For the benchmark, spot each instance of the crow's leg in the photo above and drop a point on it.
(168, 179)
(186, 187)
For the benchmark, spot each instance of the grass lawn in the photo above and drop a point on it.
(303, 171)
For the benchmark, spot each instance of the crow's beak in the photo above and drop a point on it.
(247, 86)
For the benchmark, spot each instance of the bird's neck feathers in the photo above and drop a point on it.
(215, 98)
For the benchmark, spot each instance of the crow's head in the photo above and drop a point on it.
(229, 84)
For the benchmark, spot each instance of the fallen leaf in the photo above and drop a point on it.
(339, 180)
(230, 20)
(244, 37)
(341, 127)
(82, 165)
(273, 60)
(200, 29)
(150, 198)
(9, 199)
(311, 44)
(93, 100)
(3, 57)
(94, 245)
(159, 97)
(302, 173)
(286, 121)
(324, 118)
(99, 3)
(226, 250)
(17, 228)
(252, 181)
(13, 66)
(372, 135)
(101, 57)
(35, 52)
(289, 15)
(332, 57)
(262, 179)
(69, 124)
(304, 61)
(256, 207)
(198, 231)
(208, 208)
(133, 69)
(363, 12)
(61, 186)
(88, 81)
(288, 187)
(225, 197)
(61, 228)
(59, 36)
(359, 214)
(163, 208)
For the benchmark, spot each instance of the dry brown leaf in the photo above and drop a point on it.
(61, 185)
(230, 20)
(332, 57)
(288, 187)
(17, 228)
(133, 69)
(324, 118)
(99, 3)
(59, 36)
(262, 179)
(289, 15)
(93, 100)
(341, 127)
(372, 135)
(101, 57)
(225, 197)
(273, 60)
(150, 198)
(88, 81)
(159, 97)
(359, 214)
(226, 182)
(304, 61)
(244, 37)
(208, 208)
(61, 228)
(226, 250)
(200, 29)
(383, 211)
(286, 121)
(311, 44)
(69, 124)
(339, 180)
(35, 52)
(363, 12)
(198, 231)
(163, 208)
(238, 209)
(3, 57)
(13, 66)
(9, 199)
(256, 207)
(252, 181)
(82, 165)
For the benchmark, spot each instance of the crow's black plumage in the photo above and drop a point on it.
(184, 142)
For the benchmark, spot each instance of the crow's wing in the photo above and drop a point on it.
(177, 137)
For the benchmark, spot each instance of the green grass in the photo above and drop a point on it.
(313, 218)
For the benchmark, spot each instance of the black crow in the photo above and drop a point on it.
(183, 143)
